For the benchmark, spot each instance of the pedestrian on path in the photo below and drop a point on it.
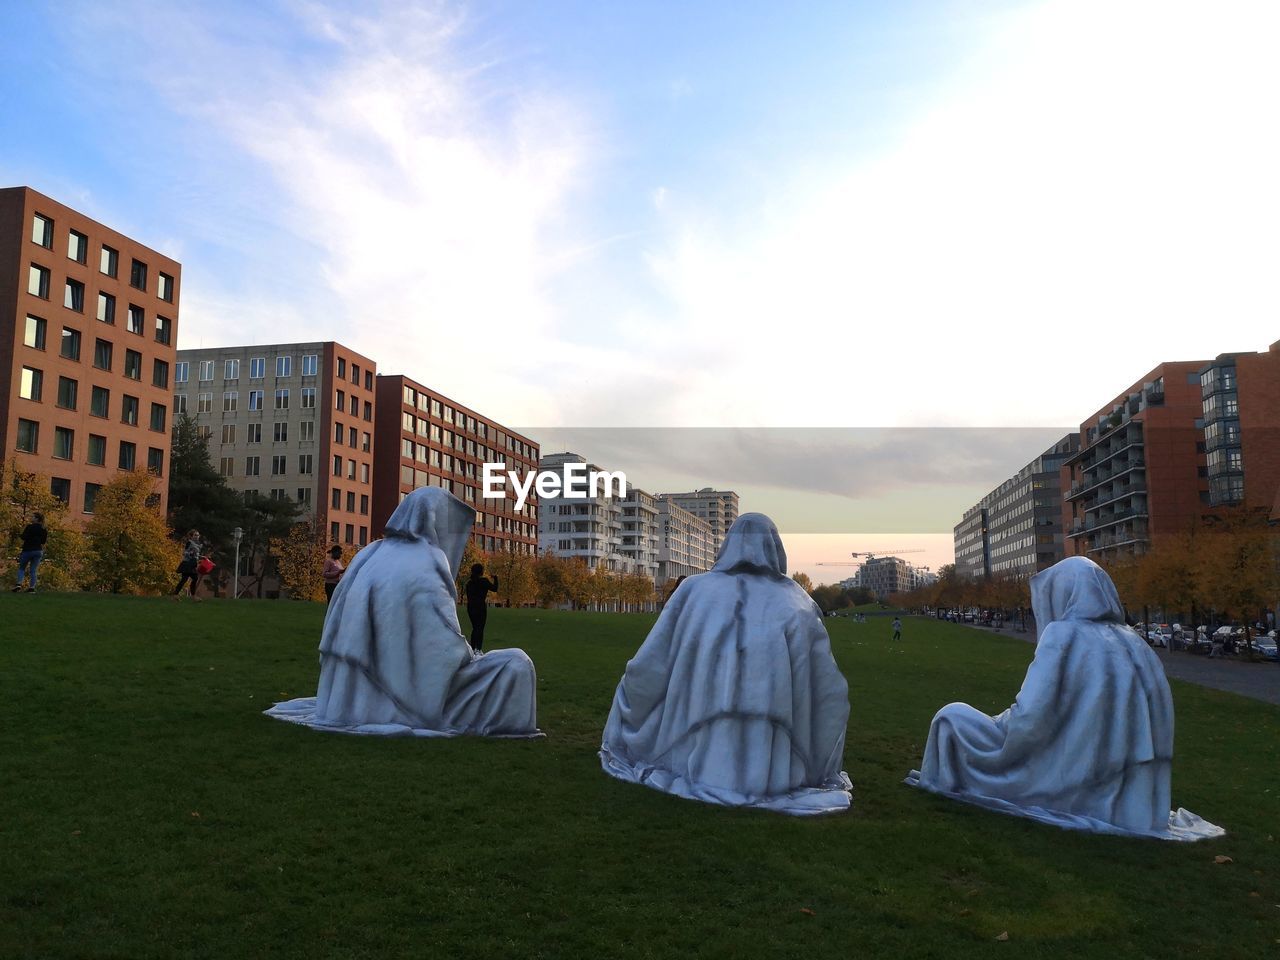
(189, 568)
(34, 537)
(333, 570)
(477, 606)
(897, 629)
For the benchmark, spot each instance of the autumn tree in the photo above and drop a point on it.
(299, 559)
(802, 578)
(263, 519)
(1237, 565)
(517, 584)
(22, 496)
(128, 549)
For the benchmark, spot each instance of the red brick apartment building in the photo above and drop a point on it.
(291, 420)
(1240, 393)
(1140, 473)
(88, 324)
(424, 438)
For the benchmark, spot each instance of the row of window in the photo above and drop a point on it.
(279, 465)
(31, 387)
(336, 501)
(335, 529)
(462, 421)
(42, 230)
(354, 437)
(73, 291)
(257, 368)
(64, 447)
(355, 374)
(35, 336)
(351, 469)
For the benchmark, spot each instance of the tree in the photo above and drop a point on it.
(1237, 561)
(802, 578)
(471, 555)
(263, 519)
(199, 497)
(299, 557)
(128, 547)
(516, 581)
(22, 495)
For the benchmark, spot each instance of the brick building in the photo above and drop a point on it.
(1240, 394)
(424, 438)
(88, 324)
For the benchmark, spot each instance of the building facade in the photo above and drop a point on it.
(88, 326)
(688, 543)
(587, 528)
(1140, 471)
(426, 439)
(641, 533)
(1240, 402)
(888, 575)
(289, 421)
(718, 507)
(1016, 529)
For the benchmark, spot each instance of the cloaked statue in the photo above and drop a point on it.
(1088, 745)
(392, 657)
(735, 698)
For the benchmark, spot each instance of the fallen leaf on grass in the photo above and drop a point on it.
(1221, 859)
(1003, 936)
(195, 814)
(807, 911)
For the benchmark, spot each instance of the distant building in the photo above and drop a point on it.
(88, 324)
(1240, 397)
(288, 421)
(688, 543)
(1140, 472)
(641, 533)
(718, 507)
(888, 575)
(588, 528)
(426, 439)
(1016, 529)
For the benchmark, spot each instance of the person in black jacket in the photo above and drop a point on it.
(477, 608)
(34, 537)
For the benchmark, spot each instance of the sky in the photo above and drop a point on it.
(584, 215)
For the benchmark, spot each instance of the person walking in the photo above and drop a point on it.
(333, 570)
(897, 629)
(477, 607)
(34, 537)
(189, 568)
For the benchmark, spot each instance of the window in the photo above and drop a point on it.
(304, 495)
(310, 365)
(28, 435)
(160, 374)
(231, 370)
(280, 433)
(73, 296)
(368, 379)
(351, 469)
(342, 401)
(133, 364)
(335, 501)
(102, 354)
(158, 417)
(351, 501)
(99, 401)
(97, 450)
(337, 466)
(278, 465)
(351, 437)
(204, 403)
(63, 443)
(164, 330)
(284, 366)
(282, 399)
(307, 430)
(42, 231)
(406, 422)
(254, 431)
(128, 455)
(278, 493)
(308, 398)
(32, 383)
(181, 371)
(305, 464)
(252, 466)
(337, 433)
(67, 391)
(368, 411)
(227, 466)
(138, 275)
(364, 504)
(350, 533)
(129, 410)
(366, 442)
(206, 371)
(355, 405)
(109, 262)
(342, 369)
(38, 282)
(106, 307)
(137, 319)
(91, 496)
(355, 374)
(230, 401)
(60, 487)
(228, 433)
(406, 449)
(165, 288)
(77, 246)
(70, 347)
(333, 531)
(255, 399)
(155, 461)
(257, 368)
(179, 404)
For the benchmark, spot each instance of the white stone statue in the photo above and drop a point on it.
(1088, 745)
(734, 698)
(392, 657)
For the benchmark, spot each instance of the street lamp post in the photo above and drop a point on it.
(236, 534)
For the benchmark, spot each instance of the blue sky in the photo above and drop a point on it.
(695, 214)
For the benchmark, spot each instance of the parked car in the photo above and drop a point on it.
(1267, 646)
(1159, 635)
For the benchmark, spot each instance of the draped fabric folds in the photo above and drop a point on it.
(393, 660)
(1088, 744)
(735, 698)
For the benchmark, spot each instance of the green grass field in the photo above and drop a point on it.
(150, 811)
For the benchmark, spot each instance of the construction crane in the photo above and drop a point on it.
(869, 554)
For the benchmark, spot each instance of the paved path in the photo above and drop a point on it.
(1260, 681)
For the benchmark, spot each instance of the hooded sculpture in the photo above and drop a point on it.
(1088, 745)
(392, 658)
(734, 698)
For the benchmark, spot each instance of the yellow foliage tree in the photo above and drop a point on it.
(803, 579)
(517, 583)
(22, 495)
(300, 557)
(127, 545)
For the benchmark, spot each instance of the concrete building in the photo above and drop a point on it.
(718, 507)
(1016, 529)
(290, 421)
(424, 438)
(88, 324)
(588, 528)
(1240, 397)
(688, 543)
(1140, 472)
(641, 533)
(888, 575)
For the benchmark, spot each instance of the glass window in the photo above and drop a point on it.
(280, 432)
(63, 443)
(77, 246)
(128, 455)
(158, 416)
(165, 291)
(257, 368)
(155, 461)
(278, 465)
(106, 308)
(38, 282)
(282, 399)
(102, 354)
(305, 464)
(230, 401)
(67, 391)
(97, 455)
(226, 466)
(355, 374)
(368, 379)
(91, 496)
(228, 433)
(231, 370)
(284, 366)
(164, 330)
(308, 397)
(129, 410)
(32, 384)
(100, 401)
(60, 487)
(160, 374)
(138, 275)
(206, 371)
(204, 403)
(255, 399)
(73, 296)
(254, 431)
(342, 401)
(28, 435)
(342, 369)
(109, 262)
(70, 347)
(42, 231)
(310, 365)
(137, 319)
(307, 430)
(252, 466)
(181, 371)
(179, 404)
(34, 336)
(133, 364)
